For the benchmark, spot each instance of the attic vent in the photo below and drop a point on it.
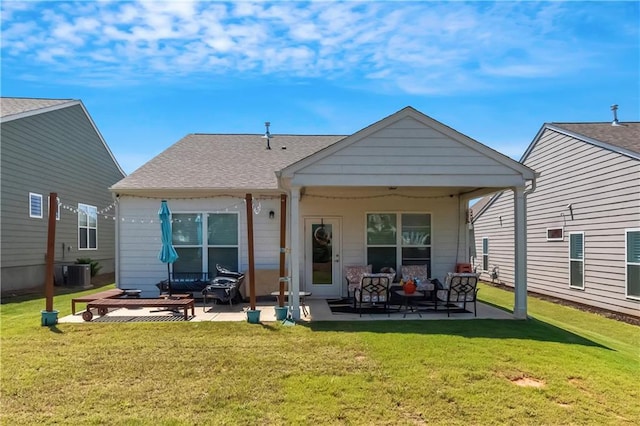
(267, 134)
(615, 121)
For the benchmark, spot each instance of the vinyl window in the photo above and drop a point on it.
(576, 260)
(87, 227)
(485, 254)
(396, 239)
(632, 242)
(35, 205)
(203, 240)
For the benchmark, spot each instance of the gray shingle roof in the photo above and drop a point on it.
(225, 162)
(13, 106)
(626, 135)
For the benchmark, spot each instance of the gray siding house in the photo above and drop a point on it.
(394, 193)
(583, 220)
(53, 145)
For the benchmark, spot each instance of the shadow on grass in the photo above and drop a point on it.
(531, 329)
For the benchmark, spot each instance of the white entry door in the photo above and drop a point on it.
(323, 266)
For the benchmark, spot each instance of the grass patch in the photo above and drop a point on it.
(378, 372)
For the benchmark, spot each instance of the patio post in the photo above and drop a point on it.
(520, 240)
(294, 285)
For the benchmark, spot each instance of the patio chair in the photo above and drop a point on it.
(459, 288)
(373, 291)
(420, 274)
(353, 275)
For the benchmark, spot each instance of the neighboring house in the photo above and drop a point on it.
(583, 220)
(393, 193)
(53, 145)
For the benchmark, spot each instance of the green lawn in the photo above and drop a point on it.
(381, 372)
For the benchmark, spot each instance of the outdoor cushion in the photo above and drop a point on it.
(420, 273)
(353, 275)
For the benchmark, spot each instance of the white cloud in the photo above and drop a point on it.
(409, 46)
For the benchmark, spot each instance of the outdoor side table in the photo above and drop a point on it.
(408, 304)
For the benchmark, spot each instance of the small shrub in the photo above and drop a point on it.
(95, 266)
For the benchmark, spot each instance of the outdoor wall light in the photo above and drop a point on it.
(272, 214)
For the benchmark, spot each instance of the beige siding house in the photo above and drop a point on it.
(394, 193)
(583, 220)
(53, 145)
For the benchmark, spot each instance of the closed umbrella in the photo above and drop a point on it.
(167, 253)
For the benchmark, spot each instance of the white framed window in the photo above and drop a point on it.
(57, 206)
(87, 227)
(485, 253)
(35, 205)
(555, 234)
(386, 247)
(632, 255)
(576, 260)
(203, 240)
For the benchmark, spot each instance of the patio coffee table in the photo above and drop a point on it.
(408, 304)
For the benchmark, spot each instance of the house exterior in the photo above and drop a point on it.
(583, 220)
(393, 193)
(53, 145)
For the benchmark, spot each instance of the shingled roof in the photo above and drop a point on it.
(624, 135)
(223, 162)
(15, 106)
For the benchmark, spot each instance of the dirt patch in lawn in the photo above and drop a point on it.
(528, 382)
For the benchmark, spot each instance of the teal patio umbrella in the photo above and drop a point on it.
(167, 253)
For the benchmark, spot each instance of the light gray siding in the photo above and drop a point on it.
(603, 189)
(57, 151)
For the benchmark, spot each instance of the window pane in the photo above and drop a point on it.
(83, 217)
(225, 257)
(83, 238)
(380, 257)
(416, 255)
(485, 262)
(93, 216)
(222, 229)
(485, 245)
(381, 229)
(35, 205)
(633, 280)
(93, 238)
(189, 260)
(633, 246)
(416, 229)
(187, 230)
(576, 246)
(577, 278)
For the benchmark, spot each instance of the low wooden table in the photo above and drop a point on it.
(103, 305)
(303, 294)
(409, 307)
(107, 294)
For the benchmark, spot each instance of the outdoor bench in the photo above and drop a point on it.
(107, 294)
(103, 305)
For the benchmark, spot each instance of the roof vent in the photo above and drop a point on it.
(267, 134)
(615, 121)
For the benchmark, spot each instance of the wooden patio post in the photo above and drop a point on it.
(252, 278)
(51, 242)
(283, 243)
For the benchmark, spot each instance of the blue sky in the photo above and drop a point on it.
(151, 72)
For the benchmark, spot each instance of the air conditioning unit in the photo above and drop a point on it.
(79, 275)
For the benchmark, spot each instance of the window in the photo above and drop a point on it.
(87, 227)
(576, 260)
(633, 263)
(485, 254)
(35, 205)
(201, 252)
(555, 234)
(386, 247)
